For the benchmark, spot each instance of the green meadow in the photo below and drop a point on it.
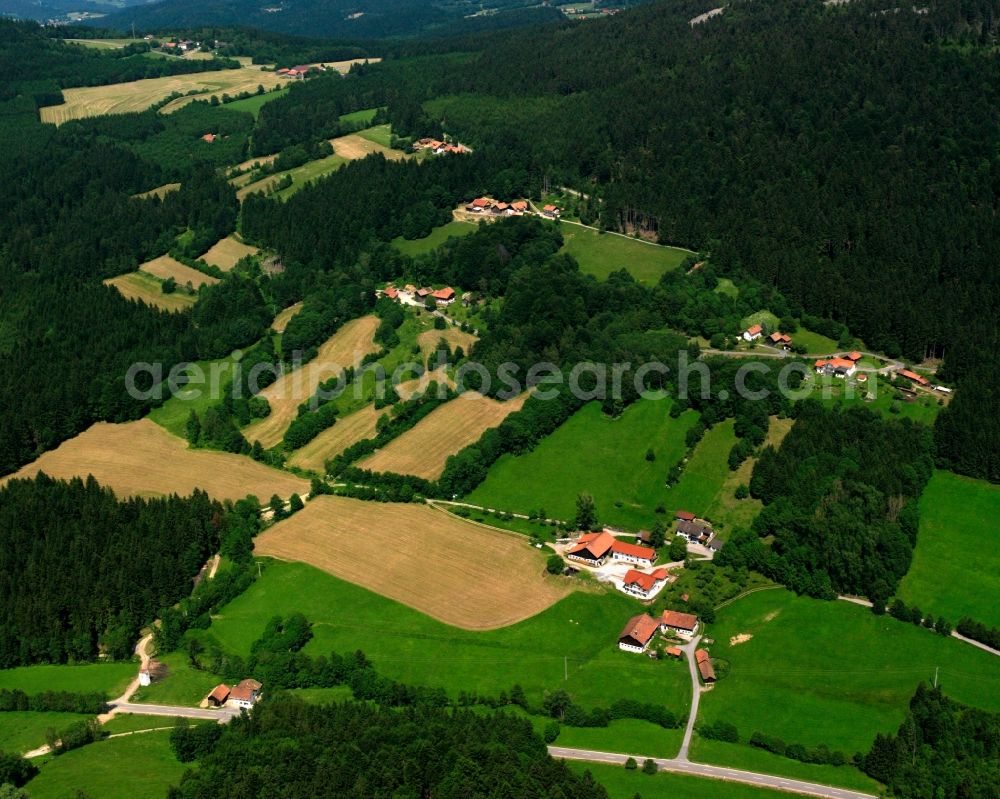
(108, 678)
(310, 170)
(363, 117)
(814, 343)
(23, 731)
(627, 736)
(601, 254)
(592, 453)
(253, 104)
(705, 473)
(956, 565)
(435, 239)
(623, 783)
(118, 768)
(173, 414)
(832, 672)
(887, 400)
(380, 134)
(575, 638)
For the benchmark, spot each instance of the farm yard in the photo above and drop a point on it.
(592, 453)
(454, 571)
(423, 450)
(348, 345)
(146, 288)
(849, 672)
(601, 254)
(576, 635)
(956, 564)
(331, 442)
(227, 252)
(166, 267)
(138, 95)
(142, 459)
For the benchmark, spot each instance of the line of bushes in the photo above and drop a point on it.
(821, 754)
(899, 610)
(978, 631)
(12, 700)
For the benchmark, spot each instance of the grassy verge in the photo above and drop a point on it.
(623, 783)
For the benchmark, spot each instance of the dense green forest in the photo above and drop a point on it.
(943, 750)
(364, 750)
(82, 570)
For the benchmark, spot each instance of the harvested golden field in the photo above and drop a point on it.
(353, 147)
(344, 67)
(284, 317)
(138, 95)
(264, 184)
(165, 267)
(457, 572)
(142, 459)
(140, 286)
(159, 191)
(226, 252)
(455, 337)
(423, 450)
(408, 388)
(348, 430)
(251, 163)
(344, 348)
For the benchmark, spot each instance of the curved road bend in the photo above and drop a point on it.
(715, 772)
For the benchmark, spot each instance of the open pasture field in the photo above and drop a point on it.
(138, 95)
(146, 288)
(142, 459)
(423, 450)
(166, 267)
(705, 473)
(346, 431)
(956, 565)
(300, 175)
(284, 317)
(22, 731)
(250, 163)
(347, 346)
(159, 191)
(380, 134)
(118, 768)
(847, 671)
(109, 678)
(814, 343)
(225, 253)
(357, 145)
(414, 648)
(624, 784)
(600, 255)
(435, 239)
(362, 117)
(104, 44)
(459, 573)
(252, 105)
(455, 337)
(592, 453)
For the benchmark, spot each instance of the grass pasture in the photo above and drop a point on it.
(765, 318)
(577, 634)
(347, 346)
(166, 267)
(22, 731)
(142, 459)
(118, 768)
(814, 343)
(956, 565)
(104, 44)
(362, 117)
(143, 287)
(591, 453)
(435, 239)
(423, 450)
(225, 253)
(138, 95)
(108, 678)
(300, 176)
(380, 134)
(601, 254)
(847, 671)
(624, 784)
(705, 473)
(358, 145)
(628, 736)
(467, 589)
(253, 104)
(331, 442)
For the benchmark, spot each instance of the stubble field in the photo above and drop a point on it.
(226, 252)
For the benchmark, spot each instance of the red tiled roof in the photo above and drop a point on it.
(674, 651)
(643, 580)
(550, 208)
(634, 550)
(209, 137)
(705, 665)
(481, 202)
(682, 621)
(443, 294)
(836, 363)
(854, 356)
(520, 205)
(660, 573)
(220, 693)
(640, 628)
(685, 515)
(244, 690)
(596, 545)
(913, 376)
(753, 331)
(391, 292)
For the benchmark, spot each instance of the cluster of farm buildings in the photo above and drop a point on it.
(490, 207)
(440, 147)
(640, 631)
(411, 295)
(775, 339)
(244, 695)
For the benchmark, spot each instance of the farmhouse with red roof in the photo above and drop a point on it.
(638, 632)
(684, 625)
(445, 296)
(643, 585)
(595, 548)
(705, 667)
(782, 340)
(913, 377)
(753, 333)
(838, 367)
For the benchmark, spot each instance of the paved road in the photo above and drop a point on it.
(689, 650)
(715, 772)
(223, 714)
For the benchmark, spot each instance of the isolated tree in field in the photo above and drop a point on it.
(657, 536)
(555, 703)
(193, 429)
(631, 764)
(586, 512)
(649, 766)
(678, 548)
(554, 565)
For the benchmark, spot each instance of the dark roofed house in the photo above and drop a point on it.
(637, 633)
(716, 544)
(697, 532)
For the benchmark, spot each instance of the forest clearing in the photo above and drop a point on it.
(166, 267)
(331, 442)
(423, 450)
(227, 252)
(349, 344)
(146, 288)
(138, 95)
(142, 459)
(483, 579)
